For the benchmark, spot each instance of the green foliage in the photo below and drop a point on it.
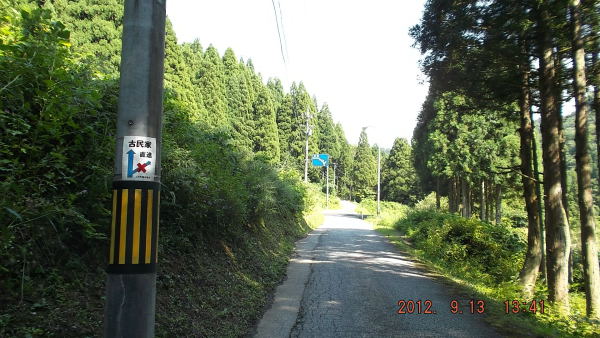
(329, 142)
(474, 145)
(428, 203)
(266, 136)
(398, 176)
(343, 165)
(239, 100)
(182, 64)
(96, 28)
(364, 169)
(480, 250)
(57, 119)
(212, 86)
(465, 251)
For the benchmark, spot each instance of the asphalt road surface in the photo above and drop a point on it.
(346, 280)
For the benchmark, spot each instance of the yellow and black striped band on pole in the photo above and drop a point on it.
(134, 227)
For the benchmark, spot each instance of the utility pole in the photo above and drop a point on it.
(327, 185)
(133, 252)
(334, 186)
(378, 178)
(308, 132)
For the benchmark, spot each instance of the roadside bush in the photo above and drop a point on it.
(56, 144)
(210, 188)
(482, 250)
(428, 203)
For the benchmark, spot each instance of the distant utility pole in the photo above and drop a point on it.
(327, 185)
(378, 177)
(133, 252)
(334, 186)
(308, 132)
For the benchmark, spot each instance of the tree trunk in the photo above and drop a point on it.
(538, 191)
(459, 194)
(596, 63)
(556, 218)
(463, 193)
(490, 197)
(498, 203)
(437, 193)
(451, 194)
(455, 194)
(482, 208)
(533, 257)
(584, 178)
(565, 187)
(563, 158)
(594, 78)
(469, 200)
(466, 198)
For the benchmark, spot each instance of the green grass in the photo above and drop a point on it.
(222, 288)
(207, 285)
(469, 281)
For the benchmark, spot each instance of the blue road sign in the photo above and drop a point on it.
(320, 160)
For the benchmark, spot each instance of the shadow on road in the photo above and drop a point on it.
(352, 215)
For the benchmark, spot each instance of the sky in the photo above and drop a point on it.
(355, 55)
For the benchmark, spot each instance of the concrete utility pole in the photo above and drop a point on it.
(378, 178)
(133, 253)
(334, 186)
(308, 132)
(327, 185)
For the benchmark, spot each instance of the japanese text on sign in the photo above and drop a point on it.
(138, 158)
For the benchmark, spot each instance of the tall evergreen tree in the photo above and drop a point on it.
(556, 217)
(212, 85)
(327, 138)
(364, 169)
(343, 163)
(276, 88)
(286, 130)
(302, 111)
(266, 136)
(584, 178)
(96, 28)
(239, 101)
(181, 67)
(398, 176)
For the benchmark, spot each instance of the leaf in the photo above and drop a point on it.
(14, 213)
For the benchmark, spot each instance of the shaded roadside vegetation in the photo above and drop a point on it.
(483, 260)
(232, 200)
(493, 66)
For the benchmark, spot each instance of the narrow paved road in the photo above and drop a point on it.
(346, 280)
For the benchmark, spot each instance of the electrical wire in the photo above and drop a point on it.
(278, 32)
(283, 31)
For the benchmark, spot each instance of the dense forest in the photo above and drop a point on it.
(233, 161)
(493, 135)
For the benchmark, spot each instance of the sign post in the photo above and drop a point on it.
(327, 185)
(322, 160)
(378, 178)
(308, 133)
(133, 251)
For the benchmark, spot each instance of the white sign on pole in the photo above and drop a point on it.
(138, 161)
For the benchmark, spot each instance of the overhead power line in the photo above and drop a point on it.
(279, 31)
(287, 56)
